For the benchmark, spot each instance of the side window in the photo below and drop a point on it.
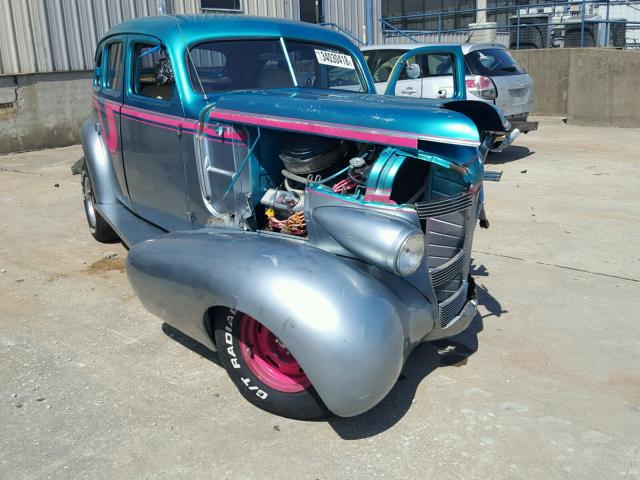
(428, 65)
(97, 72)
(439, 65)
(114, 66)
(152, 72)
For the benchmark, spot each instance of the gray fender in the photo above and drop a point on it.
(347, 330)
(105, 184)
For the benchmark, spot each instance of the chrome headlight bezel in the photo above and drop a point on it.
(410, 254)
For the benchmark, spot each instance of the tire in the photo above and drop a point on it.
(262, 369)
(98, 227)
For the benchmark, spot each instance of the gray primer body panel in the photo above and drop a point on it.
(331, 312)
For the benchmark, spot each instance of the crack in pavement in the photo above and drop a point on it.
(41, 175)
(11, 170)
(565, 267)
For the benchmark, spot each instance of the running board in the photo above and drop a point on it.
(130, 228)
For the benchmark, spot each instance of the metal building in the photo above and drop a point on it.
(61, 35)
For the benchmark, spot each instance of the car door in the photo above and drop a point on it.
(409, 82)
(437, 79)
(152, 118)
(445, 85)
(108, 94)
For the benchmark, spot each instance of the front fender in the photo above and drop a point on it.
(348, 331)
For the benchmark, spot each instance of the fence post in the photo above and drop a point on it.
(369, 21)
(518, 29)
(440, 27)
(582, 25)
(606, 27)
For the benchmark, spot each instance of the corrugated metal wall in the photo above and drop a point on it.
(349, 15)
(61, 35)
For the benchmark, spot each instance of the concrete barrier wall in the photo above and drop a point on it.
(550, 72)
(43, 110)
(590, 86)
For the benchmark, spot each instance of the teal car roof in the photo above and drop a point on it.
(197, 28)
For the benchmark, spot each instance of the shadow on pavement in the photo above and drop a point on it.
(190, 343)
(511, 154)
(485, 299)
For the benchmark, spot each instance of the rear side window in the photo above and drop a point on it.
(492, 62)
(97, 73)
(114, 66)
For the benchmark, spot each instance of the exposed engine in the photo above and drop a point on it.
(338, 164)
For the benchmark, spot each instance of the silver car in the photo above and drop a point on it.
(492, 75)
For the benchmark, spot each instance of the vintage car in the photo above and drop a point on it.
(277, 210)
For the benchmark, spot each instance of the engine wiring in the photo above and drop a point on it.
(294, 224)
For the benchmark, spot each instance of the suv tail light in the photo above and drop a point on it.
(482, 87)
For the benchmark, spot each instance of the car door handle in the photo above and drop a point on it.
(409, 90)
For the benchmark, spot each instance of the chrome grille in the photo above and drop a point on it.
(450, 308)
(446, 272)
(436, 208)
(447, 217)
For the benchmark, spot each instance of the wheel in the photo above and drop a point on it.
(98, 227)
(264, 371)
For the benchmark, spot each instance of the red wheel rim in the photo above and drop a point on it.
(268, 358)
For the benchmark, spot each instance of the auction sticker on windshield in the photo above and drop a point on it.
(334, 59)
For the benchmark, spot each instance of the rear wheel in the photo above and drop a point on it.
(264, 371)
(98, 227)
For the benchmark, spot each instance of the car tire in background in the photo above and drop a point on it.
(263, 370)
(98, 227)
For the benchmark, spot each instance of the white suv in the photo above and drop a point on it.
(492, 76)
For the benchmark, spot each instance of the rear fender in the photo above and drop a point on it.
(348, 331)
(488, 118)
(105, 184)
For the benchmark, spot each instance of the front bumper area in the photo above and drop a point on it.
(462, 321)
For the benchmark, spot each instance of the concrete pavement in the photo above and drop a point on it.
(545, 383)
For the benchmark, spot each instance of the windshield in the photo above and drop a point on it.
(220, 66)
(492, 62)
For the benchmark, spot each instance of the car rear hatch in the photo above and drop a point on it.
(514, 86)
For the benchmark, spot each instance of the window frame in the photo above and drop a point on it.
(98, 70)
(106, 55)
(150, 42)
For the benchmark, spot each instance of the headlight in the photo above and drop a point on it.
(410, 254)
